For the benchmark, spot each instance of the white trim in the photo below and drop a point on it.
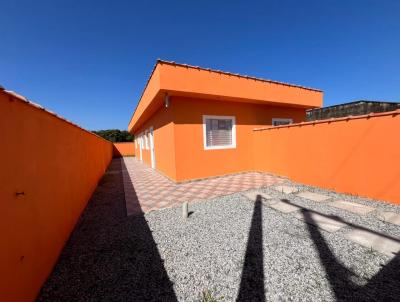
(282, 120)
(223, 117)
(141, 146)
(152, 149)
(146, 143)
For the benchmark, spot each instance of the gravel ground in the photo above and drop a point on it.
(235, 248)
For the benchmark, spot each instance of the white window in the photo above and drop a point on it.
(281, 121)
(219, 132)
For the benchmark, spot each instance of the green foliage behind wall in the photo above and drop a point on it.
(115, 135)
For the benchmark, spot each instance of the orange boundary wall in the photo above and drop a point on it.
(50, 168)
(123, 149)
(355, 155)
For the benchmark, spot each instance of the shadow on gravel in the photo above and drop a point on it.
(109, 256)
(342, 220)
(384, 286)
(252, 280)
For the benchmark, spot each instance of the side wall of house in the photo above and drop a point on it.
(352, 155)
(49, 170)
(164, 143)
(193, 161)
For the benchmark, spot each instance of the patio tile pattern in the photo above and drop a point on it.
(147, 190)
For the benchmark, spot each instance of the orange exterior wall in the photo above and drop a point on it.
(194, 82)
(200, 82)
(194, 92)
(359, 156)
(49, 171)
(123, 149)
(193, 161)
(178, 137)
(164, 142)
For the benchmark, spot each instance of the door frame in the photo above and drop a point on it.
(141, 146)
(152, 148)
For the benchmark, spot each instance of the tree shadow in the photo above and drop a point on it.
(109, 256)
(252, 279)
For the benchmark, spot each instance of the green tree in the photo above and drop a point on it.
(115, 135)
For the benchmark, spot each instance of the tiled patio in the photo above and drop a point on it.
(147, 190)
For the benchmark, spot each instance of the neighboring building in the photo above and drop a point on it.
(193, 123)
(352, 108)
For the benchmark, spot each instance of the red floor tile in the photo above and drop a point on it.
(147, 190)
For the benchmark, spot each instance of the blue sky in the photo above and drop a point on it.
(89, 60)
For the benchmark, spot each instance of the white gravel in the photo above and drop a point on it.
(228, 246)
(207, 251)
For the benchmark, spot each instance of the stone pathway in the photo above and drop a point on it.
(282, 206)
(390, 217)
(313, 196)
(374, 240)
(147, 190)
(378, 242)
(352, 207)
(321, 221)
(286, 189)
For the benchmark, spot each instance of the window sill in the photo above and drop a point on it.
(220, 147)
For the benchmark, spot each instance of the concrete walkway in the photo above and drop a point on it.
(147, 190)
(328, 203)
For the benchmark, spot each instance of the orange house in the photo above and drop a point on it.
(193, 122)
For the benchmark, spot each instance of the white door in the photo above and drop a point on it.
(140, 146)
(152, 153)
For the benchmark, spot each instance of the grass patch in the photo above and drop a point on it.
(206, 296)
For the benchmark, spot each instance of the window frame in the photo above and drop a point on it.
(233, 132)
(290, 120)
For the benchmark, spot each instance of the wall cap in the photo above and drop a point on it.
(24, 100)
(331, 120)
